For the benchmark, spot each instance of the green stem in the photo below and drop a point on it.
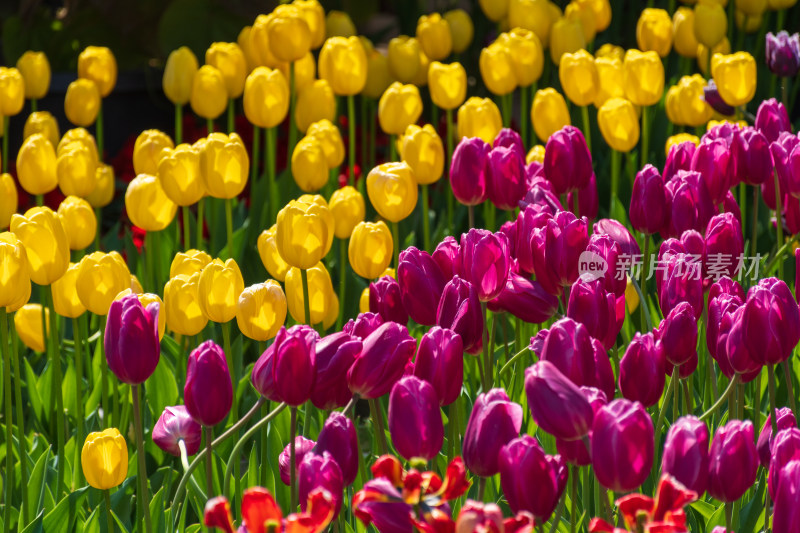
(512, 361)
(226, 342)
(34, 105)
(178, 124)
(269, 162)
(377, 417)
(342, 281)
(754, 230)
(724, 396)
(56, 384)
(292, 125)
(447, 190)
(481, 488)
(523, 119)
(25, 512)
(264, 448)
(426, 222)
(587, 132)
(573, 494)
(645, 134)
(229, 225)
(230, 115)
(351, 131)
(771, 387)
(616, 161)
(778, 216)
(306, 297)
(9, 477)
(789, 387)
(209, 126)
(396, 239)
(659, 422)
(76, 333)
(208, 433)
(486, 357)
(728, 509)
(292, 455)
(644, 276)
(201, 206)
(109, 519)
(144, 498)
(99, 131)
(675, 392)
(185, 211)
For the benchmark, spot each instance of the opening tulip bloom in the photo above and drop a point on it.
(556, 404)
(385, 299)
(484, 261)
(208, 393)
(415, 420)
(176, 424)
(338, 437)
(460, 310)
(131, 341)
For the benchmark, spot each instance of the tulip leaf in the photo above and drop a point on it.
(157, 516)
(252, 467)
(716, 519)
(62, 518)
(92, 524)
(705, 509)
(36, 525)
(36, 480)
(161, 389)
(33, 393)
(751, 517)
(93, 401)
(68, 390)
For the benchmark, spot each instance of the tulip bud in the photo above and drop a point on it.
(315, 102)
(686, 453)
(772, 321)
(385, 300)
(35, 70)
(182, 304)
(104, 459)
(304, 233)
(448, 84)
(733, 461)
(42, 122)
(12, 90)
(421, 284)
(229, 59)
(76, 170)
(641, 370)
(549, 113)
(309, 166)
(176, 424)
(209, 96)
(566, 35)
(382, 361)
(179, 75)
(654, 31)
(36, 165)
(567, 161)
(785, 420)
(556, 404)
(445, 255)
(506, 176)
(556, 248)
(422, 150)
(399, 106)
(28, 324)
(493, 423)
(622, 445)
(343, 63)
(497, 69)
(579, 77)
(479, 117)
(147, 205)
(683, 21)
(735, 76)
(392, 189)
(219, 288)
(459, 310)
(347, 207)
(262, 111)
(568, 346)
(76, 213)
(370, 249)
(468, 171)
(404, 58)
(45, 240)
(415, 421)
(261, 310)
(619, 124)
(649, 209)
(97, 63)
(440, 362)
(224, 165)
(644, 77)
(131, 342)
(711, 23)
(331, 141)
(65, 294)
(150, 147)
(293, 364)
(179, 174)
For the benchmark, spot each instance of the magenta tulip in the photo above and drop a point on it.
(385, 298)
(679, 158)
(619, 234)
(641, 370)
(614, 279)
(678, 334)
(294, 364)
(686, 453)
(440, 362)
(712, 161)
(320, 470)
(690, 203)
(785, 420)
(483, 260)
(540, 192)
(415, 420)
(382, 361)
(649, 202)
(786, 515)
(446, 256)
(557, 405)
(494, 422)
(786, 157)
(783, 53)
(724, 246)
(682, 282)
(785, 448)
(421, 284)
(208, 393)
(592, 306)
(506, 179)
(510, 139)
(364, 324)
(557, 247)
(530, 221)
(338, 437)
(575, 451)
(772, 119)
(753, 160)
(567, 161)
(771, 321)
(525, 299)
(302, 446)
(733, 461)
(176, 424)
(468, 171)
(131, 340)
(335, 354)
(460, 310)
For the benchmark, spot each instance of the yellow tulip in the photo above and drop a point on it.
(579, 77)
(224, 165)
(305, 71)
(711, 23)
(749, 8)
(548, 113)
(309, 166)
(28, 324)
(343, 62)
(566, 36)
(77, 215)
(314, 15)
(421, 79)
(12, 91)
(261, 310)
(76, 170)
(219, 288)
(270, 257)
(748, 23)
(479, 117)
(619, 124)
(713, 123)
(321, 295)
(422, 149)
(685, 104)
(288, 33)
(42, 122)
(392, 190)
(601, 9)
(585, 17)
(679, 139)
(101, 277)
(104, 459)
(209, 94)
(188, 262)
(404, 58)
(527, 56)
(331, 140)
(14, 274)
(735, 76)
(36, 165)
(461, 29)
(104, 186)
(266, 97)
(66, 301)
(370, 249)
(259, 42)
(448, 84)
(179, 174)
(304, 233)
(35, 70)
(250, 55)
(683, 31)
(8, 199)
(497, 69)
(80, 135)
(97, 63)
(631, 296)
(182, 309)
(45, 241)
(229, 59)
(776, 5)
(536, 153)
(82, 102)
(179, 75)
(399, 106)
(378, 75)
(704, 55)
(654, 31)
(147, 204)
(136, 287)
(149, 149)
(495, 10)
(314, 103)
(533, 15)
(339, 24)
(644, 77)
(347, 207)
(433, 34)
(611, 76)
(610, 51)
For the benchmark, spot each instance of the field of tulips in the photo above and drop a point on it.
(501, 276)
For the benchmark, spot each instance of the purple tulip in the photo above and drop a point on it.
(440, 362)
(320, 471)
(678, 334)
(469, 172)
(619, 234)
(525, 299)
(785, 420)
(771, 321)
(720, 321)
(131, 340)
(446, 255)
(494, 422)
(691, 205)
(567, 161)
(783, 53)
(641, 370)
(506, 181)
(712, 161)
(382, 361)
(649, 206)
(530, 221)
(362, 325)
(460, 310)
(785, 448)
(740, 357)
(614, 279)
(588, 201)
(797, 274)
(592, 306)
(208, 393)
(752, 157)
(622, 445)
(772, 119)
(786, 156)
(724, 246)
(483, 260)
(679, 158)
(385, 298)
(302, 446)
(176, 424)
(510, 139)
(532, 481)
(421, 284)
(791, 215)
(786, 515)
(540, 194)
(557, 405)
(733, 461)
(725, 285)
(293, 364)
(338, 437)
(557, 247)
(686, 453)
(509, 229)
(575, 451)
(712, 97)
(682, 282)
(415, 420)
(335, 354)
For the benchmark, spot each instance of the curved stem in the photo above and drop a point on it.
(724, 396)
(510, 363)
(185, 464)
(141, 473)
(292, 456)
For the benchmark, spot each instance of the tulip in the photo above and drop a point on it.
(66, 302)
(479, 117)
(610, 80)
(556, 248)
(785, 516)
(493, 423)
(484, 262)
(468, 171)
(686, 453)
(338, 438)
(80, 135)
(711, 23)
(579, 77)
(440, 362)
(421, 284)
(752, 157)
(184, 314)
(321, 295)
(641, 370)
(261, 310)
(378, 75)
(622, 445)
(385, 300)
(644, 77)
(319, 470)
(219, 288)
(179, 174)
(314, 15)
(654, 31)
(266, 97)
(527, 56)
(506, 176)
(685, 42)
(531, 480)
(76, 170)
(229, 59)
(315, 102)
(459, 310)
(104, 459)
(189, 262)
(682, 281)
(309, 166)
(338, 23)
(347, 207)
(147, 205)
(673, 141)
(497, 69)
(179, 75)
(97, 64)
(304, 233)
(41, 232)
(445, 255)
(293, 364)
(335, 354)
(399, 106)
(549, 113)
(784, 420)
(691, 205)
(619, 124)
(174, 425)
(477, 516)
(782, 51)
(771, 322)
(100, 278)
(76, 213)
(42, 122)
(392, 190)
(35, 70)
(288, 33)
(434, 36)
(525, 299)
(422, 150)
(364, 324)
(592, 306)
(724, 245)
(131, 339)
(370, 249)
(785, 448)
(678, 335)
(209, 95)
(382, 361)
(566, 35)
(28, 325)
(331, 141)
(687, 102)
(557, 405)
(735, 76)
(567, 161)
(404, 58)
(82, 102)
(270, 257)
(224, 165)
(649, 208)
(733, 461)
(415, 421)
(576, 452)
(36, 165)
(12, 89)
(772, 119)
(343, 63)
(208, 392)
(150, 148)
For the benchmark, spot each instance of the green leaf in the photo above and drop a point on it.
(716, 519)
(92, 524)
(252, 467)
(33, 394)
(36, 481)
(705, 509)
(68, 389)
(157, 516)
(161, 389)
(62, 518)
(36, 525)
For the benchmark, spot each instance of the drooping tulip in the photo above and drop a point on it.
(525, 299)
(557, 405)
(176, 424)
